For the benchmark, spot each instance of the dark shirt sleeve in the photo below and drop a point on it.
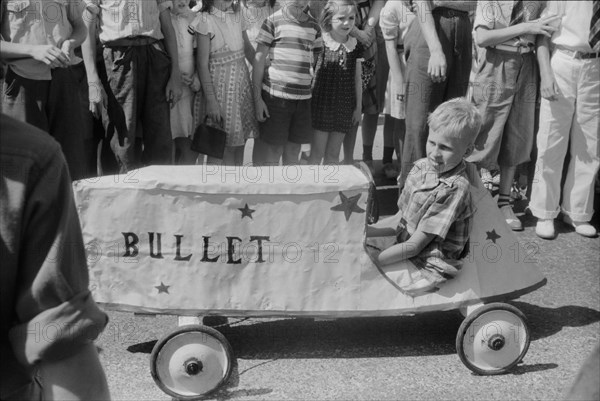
(54, 311)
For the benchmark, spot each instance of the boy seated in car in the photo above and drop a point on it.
(435, 206)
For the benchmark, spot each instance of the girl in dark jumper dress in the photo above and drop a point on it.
(337, 92)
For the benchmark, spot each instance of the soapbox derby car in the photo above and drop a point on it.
(281, 242)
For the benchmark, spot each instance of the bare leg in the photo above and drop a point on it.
(270, 154)
(349, 142)
(334, 145)
(369, 129)
(184, 155)
(318, 146)
(291, 153)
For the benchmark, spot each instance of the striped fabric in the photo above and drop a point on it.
(595, 27)
(292, 47)
(518, 13)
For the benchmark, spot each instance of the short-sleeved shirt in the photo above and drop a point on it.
(223, 27)
(255, 16)
(293, 45)
(440, 205)
(121, 19)
(38, 22)
(496, 14)
(46, 310)
(395, 18)
(574, 27)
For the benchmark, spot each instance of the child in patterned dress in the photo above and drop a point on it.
(337, 92)
(227, 90)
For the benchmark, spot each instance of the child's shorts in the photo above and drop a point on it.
(290, 121)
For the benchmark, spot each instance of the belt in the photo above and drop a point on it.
(514, 49)
(131, 41)
(578, 54)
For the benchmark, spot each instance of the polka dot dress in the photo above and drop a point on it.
(334, 96)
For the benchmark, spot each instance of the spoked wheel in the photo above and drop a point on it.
(191, 362)
(493, 339)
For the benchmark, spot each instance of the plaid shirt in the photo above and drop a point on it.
(440, 205)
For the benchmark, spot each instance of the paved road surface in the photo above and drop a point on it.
(410, 357)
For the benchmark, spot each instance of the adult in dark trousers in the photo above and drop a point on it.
(141, 60)
(438, 50)
(48, 319)
(38, 40)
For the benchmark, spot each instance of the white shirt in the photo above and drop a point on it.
(574, 28)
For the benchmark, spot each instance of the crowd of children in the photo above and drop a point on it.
(305, 74)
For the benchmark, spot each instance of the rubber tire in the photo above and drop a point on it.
(185, 329)
(464, 327)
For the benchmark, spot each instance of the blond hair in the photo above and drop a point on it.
(457, 118)
(331, 8)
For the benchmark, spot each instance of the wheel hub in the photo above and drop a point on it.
(496, 342)
(193, 366)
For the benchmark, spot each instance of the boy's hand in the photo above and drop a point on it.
(195, 85)
(186, 79)
(549, 88)
(437, 66)
(68, 50)
(542, 26)
(262, 112)
(173, 90)
(363, 36)
(97, 98)
(50, 55)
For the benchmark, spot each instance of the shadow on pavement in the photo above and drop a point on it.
(535, 367)
(432, 333)
(544, 322)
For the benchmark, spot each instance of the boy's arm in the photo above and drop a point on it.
(258, 72)
(394, 62)
(78, 377)
(380, 231)
(47, 54)
(173, 90)
(96, 93)
(491, 37)
(367, 33)
(548, 87)
(79, 33)
(249, 51)
(406, 250)
(437, 60)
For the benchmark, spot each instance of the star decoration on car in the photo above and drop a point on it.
(492, 236)
(162, 288)
(348, 205)
(246, 211)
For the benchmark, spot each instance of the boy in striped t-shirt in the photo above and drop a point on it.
(289, 38)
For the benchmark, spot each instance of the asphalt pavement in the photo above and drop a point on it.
(407, 357)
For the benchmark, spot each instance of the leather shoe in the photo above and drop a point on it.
(581, 227)
(545, 228)
(513, 221)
